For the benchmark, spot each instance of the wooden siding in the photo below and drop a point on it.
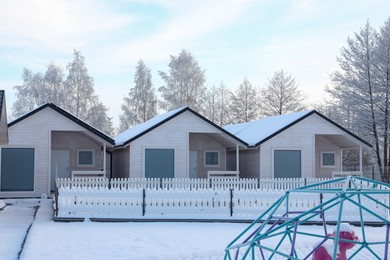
(75, 141)
(173, 134)
(300, 136)
(35, 132)
(250, 163)
(202, 143)
(230, 160)
(324, 145)
(121, 163)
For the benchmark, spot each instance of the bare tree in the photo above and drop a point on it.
(383, 68)
(79, 85)
(75, 94)
(245, 104)
(54, 85)
(81, 95)
(217, 104)
(184, 83)
(281, 95)
(38, 89)
(141, 103)
(359, 86)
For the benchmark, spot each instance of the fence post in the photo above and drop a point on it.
(321, 198)
(231, 202)
(143, 202)
(56, 200)
(372, 170)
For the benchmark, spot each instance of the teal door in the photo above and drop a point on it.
(287, 163)
(159, 163)
(17, 169)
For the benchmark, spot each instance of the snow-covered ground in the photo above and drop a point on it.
(127, 240)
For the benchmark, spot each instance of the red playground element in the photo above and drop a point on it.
(325, 252)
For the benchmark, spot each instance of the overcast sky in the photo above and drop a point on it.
(230, 39)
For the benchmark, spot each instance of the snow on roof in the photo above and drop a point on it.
(257, 131)
(143, 127)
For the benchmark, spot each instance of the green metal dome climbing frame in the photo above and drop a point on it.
(274, 234)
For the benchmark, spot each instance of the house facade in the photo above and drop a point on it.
(178, 144)
(302, 144)
(48, 143)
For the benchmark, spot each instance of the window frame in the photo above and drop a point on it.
(93, 157)
(205, 158)
(322, 159)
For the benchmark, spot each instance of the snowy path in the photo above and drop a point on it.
(15, 219)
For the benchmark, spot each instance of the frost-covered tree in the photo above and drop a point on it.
(383, 68)
(184, 83)
(54, 84)
(81, 95)
(79, 85)
(281, 95)
(217, 104)
(38, 89)
(28, 95)
(361, 86)
(75, 94)
(245, 103)
(141, 103)
(98, 117)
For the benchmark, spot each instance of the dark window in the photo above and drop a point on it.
(17, 169)
(211, 159)
(85, 158)
(328, 159)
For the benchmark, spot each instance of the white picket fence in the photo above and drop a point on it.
(218, 198)
(282, 184)
(96, 202)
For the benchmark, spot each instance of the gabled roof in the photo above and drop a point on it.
(67, 115)
(139, 130)
(257, 132)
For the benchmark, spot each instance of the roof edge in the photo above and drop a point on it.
(219, 128)
(152, 128)
(175, 115)
(305, 116)
(67, 115)
(344, 129)
(284, 128)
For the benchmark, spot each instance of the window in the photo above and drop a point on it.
(85, 158)
(328, 159)
(211, 158)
